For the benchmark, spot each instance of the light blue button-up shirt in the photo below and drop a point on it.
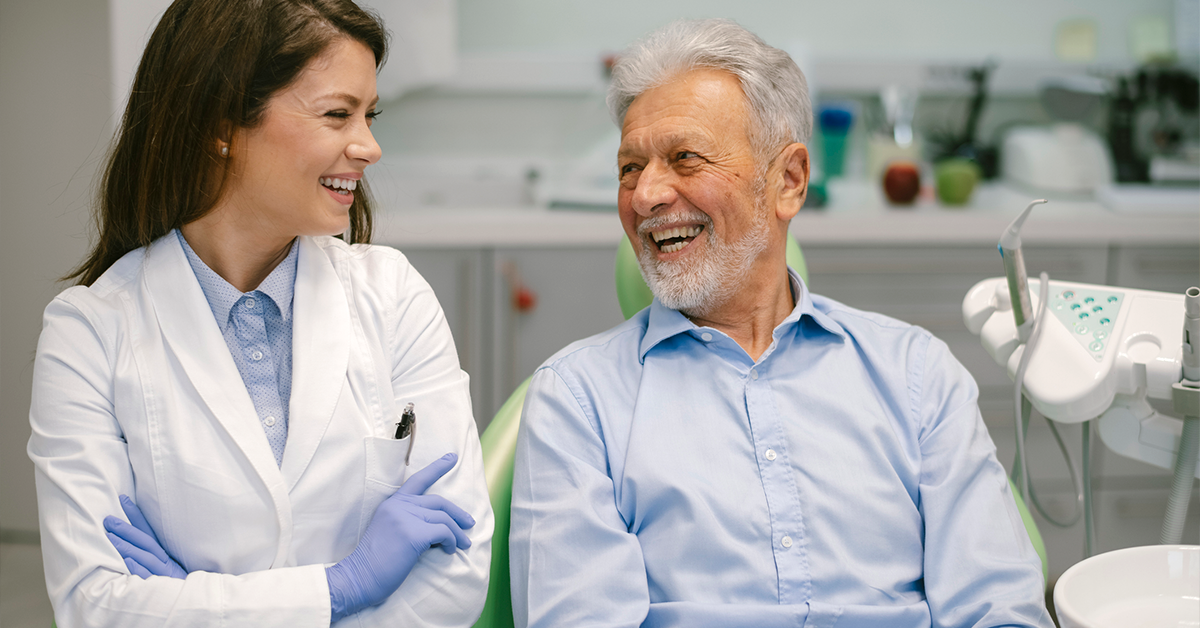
(257, 327)
(664, 478)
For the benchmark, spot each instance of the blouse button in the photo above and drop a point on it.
(256, 355)
(269, 421)
(770, 454)
(786, 541)
(249, 304)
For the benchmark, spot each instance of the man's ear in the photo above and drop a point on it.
(793, 165)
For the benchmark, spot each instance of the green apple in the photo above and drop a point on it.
(956, 178)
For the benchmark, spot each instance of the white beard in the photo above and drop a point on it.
(699, 285)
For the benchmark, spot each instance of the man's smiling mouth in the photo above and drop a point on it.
(675, 238)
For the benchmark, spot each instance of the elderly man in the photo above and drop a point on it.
(744, 452)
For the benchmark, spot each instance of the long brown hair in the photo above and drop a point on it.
(209, 65)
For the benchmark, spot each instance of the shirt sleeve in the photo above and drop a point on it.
(81, 465)
(572, 558)
(980, 566)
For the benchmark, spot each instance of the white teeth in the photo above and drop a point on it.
(671, 248)
(676, 232)
(339, 184)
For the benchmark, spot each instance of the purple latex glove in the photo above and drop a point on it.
(138, 545)
(404, 526)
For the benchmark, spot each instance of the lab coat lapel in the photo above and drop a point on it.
(321, 336)
(191, 331)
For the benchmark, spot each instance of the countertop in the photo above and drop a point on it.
(857, 214)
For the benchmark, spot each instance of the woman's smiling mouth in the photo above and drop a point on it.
(341, 189)
(341, 186)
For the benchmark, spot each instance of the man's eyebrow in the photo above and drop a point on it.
(671, 141)
(674, 140)
(351, 99)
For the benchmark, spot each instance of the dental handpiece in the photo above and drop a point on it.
(1014, 272)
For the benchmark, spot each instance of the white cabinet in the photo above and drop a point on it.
(460, 281)
(498, 344)
(575, 298)
(1165, 268)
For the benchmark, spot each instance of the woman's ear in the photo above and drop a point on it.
(794, 166)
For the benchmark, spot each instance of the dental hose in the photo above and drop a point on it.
(1181, 486)
(1023, 410)
(1023, 407)
(1089, 522)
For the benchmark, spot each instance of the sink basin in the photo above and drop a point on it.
(1155, 585)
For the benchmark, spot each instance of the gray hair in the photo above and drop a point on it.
(774, 86)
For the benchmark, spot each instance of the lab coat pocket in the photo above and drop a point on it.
(385, 472)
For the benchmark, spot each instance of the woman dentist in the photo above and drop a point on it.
(230, 378)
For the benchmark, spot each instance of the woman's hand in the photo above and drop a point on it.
(404, 526)
(138, 545)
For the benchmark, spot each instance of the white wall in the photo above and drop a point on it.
(54, 115)
(966, 29)
(530, 77)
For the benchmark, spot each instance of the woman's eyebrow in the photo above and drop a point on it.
(351, 99)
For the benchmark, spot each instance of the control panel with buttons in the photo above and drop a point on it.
(1088, 313)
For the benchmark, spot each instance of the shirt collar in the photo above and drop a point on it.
(665, 323)
(279, 286)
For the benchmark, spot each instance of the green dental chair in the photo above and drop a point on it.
(499, 442)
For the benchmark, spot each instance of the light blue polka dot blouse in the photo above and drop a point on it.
(257, 327)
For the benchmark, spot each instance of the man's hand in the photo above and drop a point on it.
(138, 545)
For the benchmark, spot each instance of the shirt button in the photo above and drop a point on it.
(270, 422)
(249, 304)
(753, 373)
(786, 541)
(706, 337)
(257, 355)
(770, 454)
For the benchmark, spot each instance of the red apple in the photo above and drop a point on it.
(902, 182)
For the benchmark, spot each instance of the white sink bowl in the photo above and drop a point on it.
(1155, 585)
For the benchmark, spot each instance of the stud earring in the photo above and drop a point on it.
(224, 151)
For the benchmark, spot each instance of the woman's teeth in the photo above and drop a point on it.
(341, 186)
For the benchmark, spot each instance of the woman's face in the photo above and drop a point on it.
(292, 174)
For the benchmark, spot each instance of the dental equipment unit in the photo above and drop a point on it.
(1096, 352)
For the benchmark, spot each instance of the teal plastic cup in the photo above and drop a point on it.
(835, 127)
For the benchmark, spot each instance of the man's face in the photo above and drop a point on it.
(691, 197)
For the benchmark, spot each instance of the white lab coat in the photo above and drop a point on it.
(135, 392)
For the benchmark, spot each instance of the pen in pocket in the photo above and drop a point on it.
(407, 428)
